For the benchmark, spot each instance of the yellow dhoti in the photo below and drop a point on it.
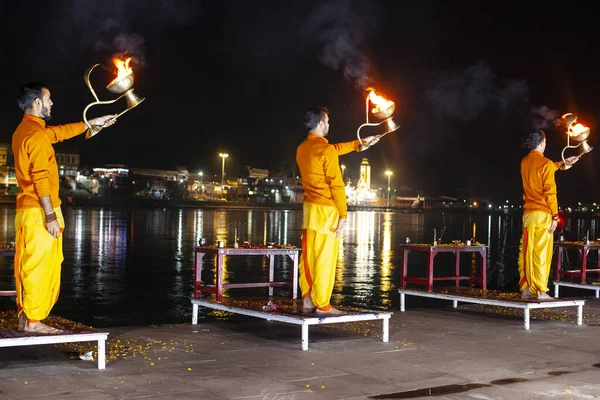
(535, 252)
(319, 254)
(38, 259)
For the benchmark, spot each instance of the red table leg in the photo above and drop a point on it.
(483, 269)
(598, 264)
(584, 255)
(457, 265)
(198, 273)
(559, 256)
(219, 277)
(432, 254)
(404, 269)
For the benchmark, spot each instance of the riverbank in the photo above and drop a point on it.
(461, 353)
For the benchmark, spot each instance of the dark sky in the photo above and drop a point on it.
(469, 78)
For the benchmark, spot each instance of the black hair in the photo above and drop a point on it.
(27, 93)
(313, 116)
(533, 140)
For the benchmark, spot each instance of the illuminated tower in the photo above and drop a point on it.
(365, 175)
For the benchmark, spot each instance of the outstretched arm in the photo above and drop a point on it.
(58, 133)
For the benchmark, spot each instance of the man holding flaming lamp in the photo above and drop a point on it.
(324, 209)
(39, 222)
(540, 217)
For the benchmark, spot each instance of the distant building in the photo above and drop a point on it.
(68, 164)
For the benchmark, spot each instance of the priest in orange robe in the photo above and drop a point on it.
(39, 222)
(324, 210)
(540, 217)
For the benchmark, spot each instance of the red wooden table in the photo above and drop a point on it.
(582, 269)
(221, 252)
(434, 251)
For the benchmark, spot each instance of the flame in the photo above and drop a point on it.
(380, 102)
(576, 130)
(123, 69)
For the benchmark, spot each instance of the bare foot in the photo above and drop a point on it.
(307, 305)
(41, 328)
(22, 321)
(526, 294)
(543, 296)
(333, 311)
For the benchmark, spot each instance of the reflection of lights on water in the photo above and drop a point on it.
(249, 225)
(101, 236)
(199, 224)
(489, 230)
(179, 230)
(78, 235)
(284, 228)
(365, 254)
(265, 216)
(386, 253)
(220, 224)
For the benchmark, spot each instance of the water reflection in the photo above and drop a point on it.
(136, 267)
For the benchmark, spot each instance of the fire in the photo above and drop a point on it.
(380, 102)
(577, 130)
(123, 69)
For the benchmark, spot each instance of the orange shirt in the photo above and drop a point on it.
(35, 164)
(539, 186)
(320, 170)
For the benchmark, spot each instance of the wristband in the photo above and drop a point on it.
(555, 217)
(51, 217)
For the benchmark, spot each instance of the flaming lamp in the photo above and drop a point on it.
(382, 111)
(576, 133)
(121, 85)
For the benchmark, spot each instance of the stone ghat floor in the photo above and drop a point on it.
(473, 352)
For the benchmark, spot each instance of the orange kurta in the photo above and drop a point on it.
(35, 163)
(539, 186)
(320, 171)
(324, 205)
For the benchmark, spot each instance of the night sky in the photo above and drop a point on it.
(469, 79)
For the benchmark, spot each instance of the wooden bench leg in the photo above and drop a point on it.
(304, 337)
(102, 353)
(385, 337)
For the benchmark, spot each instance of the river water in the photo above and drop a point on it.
(135, 267)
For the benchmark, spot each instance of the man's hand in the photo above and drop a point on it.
(370, 140)
(104, 122)
(553, 226)
(53, 228)
(572, 159)
(340, 227)
(367, 142)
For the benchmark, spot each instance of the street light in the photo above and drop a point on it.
(223, 156)
(389, 175)
(201, 174)
(343, 170)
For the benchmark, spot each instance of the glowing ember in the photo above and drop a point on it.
(123, 69)
(576, 130)
(380, 102)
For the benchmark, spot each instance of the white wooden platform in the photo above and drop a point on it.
(491, 298)
(61, 338)
(595, 288)
(305, 320)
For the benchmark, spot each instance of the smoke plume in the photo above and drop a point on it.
(340, 27)
(109, 26)
(465, 95)
(543, 118)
